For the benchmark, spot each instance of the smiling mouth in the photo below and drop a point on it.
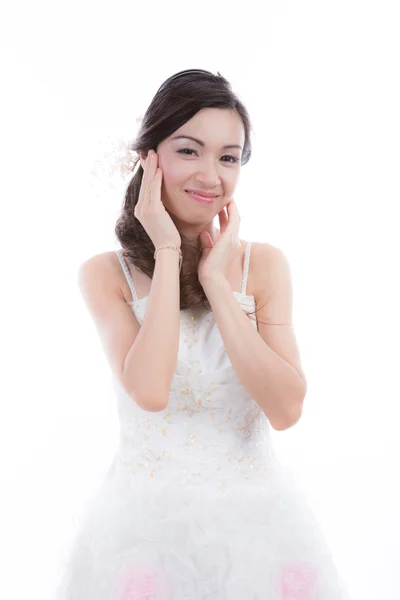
(200, 198)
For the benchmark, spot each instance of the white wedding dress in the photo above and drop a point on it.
(196, 505)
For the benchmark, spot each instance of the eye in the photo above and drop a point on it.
(234, 159)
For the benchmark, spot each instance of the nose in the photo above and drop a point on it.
(208, 174)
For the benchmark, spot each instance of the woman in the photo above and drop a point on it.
(196, 505)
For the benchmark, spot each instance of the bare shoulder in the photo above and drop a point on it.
(268, 263)
(99, 270)
(102, 261)
(263, 250)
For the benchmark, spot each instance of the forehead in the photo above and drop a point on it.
(214, 126)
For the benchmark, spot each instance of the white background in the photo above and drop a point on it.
(321, 83)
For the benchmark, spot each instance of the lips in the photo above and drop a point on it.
(202, 194)
(202, 199)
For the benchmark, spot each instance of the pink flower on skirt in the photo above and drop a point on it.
(297, 582)
(143, 583)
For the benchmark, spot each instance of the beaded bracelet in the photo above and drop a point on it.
(174, 248)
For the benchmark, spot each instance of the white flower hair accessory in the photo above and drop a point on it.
(114, 160)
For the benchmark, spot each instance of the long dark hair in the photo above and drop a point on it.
(177, 100)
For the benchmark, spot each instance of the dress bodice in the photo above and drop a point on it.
(211, 429)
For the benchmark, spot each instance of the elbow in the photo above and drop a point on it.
(296, 409)
(289, 420)
(156, 403)
(156, 406)
(284, 424)
(148, 400)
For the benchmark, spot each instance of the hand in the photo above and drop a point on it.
(216, 259)
(150, 210)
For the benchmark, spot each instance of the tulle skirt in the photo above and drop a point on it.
(157, 542)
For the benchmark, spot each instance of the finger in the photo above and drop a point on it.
(151, 169)
(237, 219)
(234, 216)
(145, 180)
(155, 195)
(223, 220)
(233, 221)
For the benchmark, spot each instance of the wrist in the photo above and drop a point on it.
(217, 282)
(169, 247)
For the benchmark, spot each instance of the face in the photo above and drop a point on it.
(212, 168)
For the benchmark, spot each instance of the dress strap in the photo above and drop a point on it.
(127, 274)
(246, 267)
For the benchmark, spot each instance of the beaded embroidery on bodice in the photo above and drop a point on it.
(212, 429)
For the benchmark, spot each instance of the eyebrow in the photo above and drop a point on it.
(189, 137)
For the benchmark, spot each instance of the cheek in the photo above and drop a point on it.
(174, 171)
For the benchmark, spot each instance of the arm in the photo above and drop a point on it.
(275, 384)
(151, 361)
(142, 358)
